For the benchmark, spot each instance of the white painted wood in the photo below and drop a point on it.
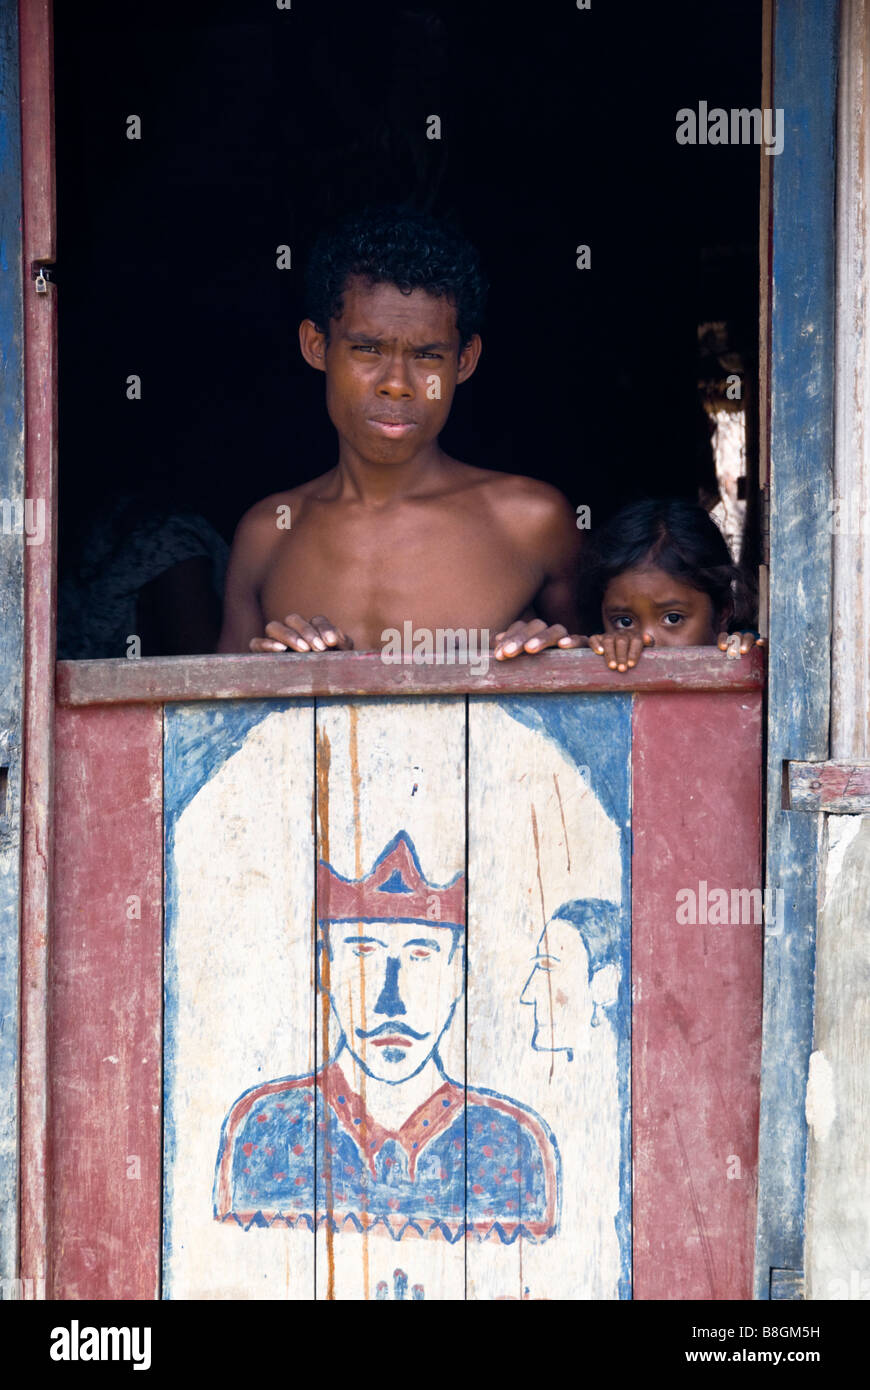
(241, 939)
(538, 837)
(241, 949)
(838, 1095)
(850, 679)
(386, 767)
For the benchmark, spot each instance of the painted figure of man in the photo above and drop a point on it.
(380, 1136)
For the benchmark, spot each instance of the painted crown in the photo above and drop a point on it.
(394, 890)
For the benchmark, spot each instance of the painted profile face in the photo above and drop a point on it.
(393, 987)
(649, 600)
(565, 1001)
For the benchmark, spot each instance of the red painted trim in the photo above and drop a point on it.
(696, 1027)
(40, 358)
(107, 987)
(158, 679)
(36, 40)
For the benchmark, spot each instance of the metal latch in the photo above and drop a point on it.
(41, 275)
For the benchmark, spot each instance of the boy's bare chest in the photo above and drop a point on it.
(373, 573)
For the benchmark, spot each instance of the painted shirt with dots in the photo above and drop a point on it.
(467, 1162)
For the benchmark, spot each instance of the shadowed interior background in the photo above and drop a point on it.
(259, 125)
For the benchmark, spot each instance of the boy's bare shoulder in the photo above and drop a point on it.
(529, 506)
(266, 521)
(511, 491)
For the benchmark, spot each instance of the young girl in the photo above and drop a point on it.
(659, 574)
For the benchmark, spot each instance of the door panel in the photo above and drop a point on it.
(299, 840)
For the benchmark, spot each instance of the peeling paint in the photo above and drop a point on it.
(821, 1106)
(841, 832)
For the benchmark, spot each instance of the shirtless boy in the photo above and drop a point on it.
(398, 530)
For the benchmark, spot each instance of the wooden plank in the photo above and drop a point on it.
(838, 1092)
(549, 995)
(766, 166)
(105, 1005)
(239, 793)
(850, 649)
(697, 993)
(37, 131)
(787, 1285)
(838, 788)
(162, 679)
(391, 1166)
(12, 546)
(838, 1097)
(40, 337)
(801, 438)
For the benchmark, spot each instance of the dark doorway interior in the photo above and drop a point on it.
(260, 124)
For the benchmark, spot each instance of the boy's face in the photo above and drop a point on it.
(380, 360)
(649, 600)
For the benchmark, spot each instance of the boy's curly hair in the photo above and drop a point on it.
(396, 246)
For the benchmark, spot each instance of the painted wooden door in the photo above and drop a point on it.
(96, 1209)
(397, 999)
(462, 994)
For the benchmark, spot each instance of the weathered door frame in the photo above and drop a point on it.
(802, 38)
(12, 547)
(801, 375)
(30, 470)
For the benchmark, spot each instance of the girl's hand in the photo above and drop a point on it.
(739, 643)
(620, 652)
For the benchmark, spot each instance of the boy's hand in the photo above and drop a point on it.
(533, 636)
(296, 635)
(738, 643)
(620, 652)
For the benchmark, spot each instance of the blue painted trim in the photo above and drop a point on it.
(11, 621)
(198, 740)
(595, 734)
(801, 390)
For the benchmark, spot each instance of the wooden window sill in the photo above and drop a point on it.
(156, 680)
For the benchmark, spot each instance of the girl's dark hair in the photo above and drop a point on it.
(676, 536)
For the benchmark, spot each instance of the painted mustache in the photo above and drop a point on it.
(393, 1030)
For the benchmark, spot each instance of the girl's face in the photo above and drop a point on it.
(649, 600)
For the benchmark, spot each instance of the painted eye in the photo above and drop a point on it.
(420, 953)
(545, 963)
(363, 950)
